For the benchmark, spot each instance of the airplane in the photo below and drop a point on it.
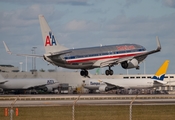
(104, 85)
(48, 85)
(128, 55)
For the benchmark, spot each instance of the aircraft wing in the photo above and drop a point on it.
(37, 85)
(111, 62)
(115, 61)
(9, 52)
(112, 84)
(152, 51)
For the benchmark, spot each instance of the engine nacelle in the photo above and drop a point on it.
(130, 64)
(48, 89)
(103, 88)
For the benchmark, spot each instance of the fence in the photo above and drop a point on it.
(92, 111)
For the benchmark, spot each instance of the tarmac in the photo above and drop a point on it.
(84, 99)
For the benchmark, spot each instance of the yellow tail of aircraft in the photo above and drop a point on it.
(160, 74)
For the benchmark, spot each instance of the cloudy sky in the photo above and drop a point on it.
(85, 23)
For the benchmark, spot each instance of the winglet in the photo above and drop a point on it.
(158, 43)
(6, 48)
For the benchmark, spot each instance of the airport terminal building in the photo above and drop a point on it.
(8, 68)
(73, 80)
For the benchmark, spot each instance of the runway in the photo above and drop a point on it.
(95, 99)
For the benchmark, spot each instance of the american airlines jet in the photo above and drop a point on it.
(104, 85)
(128, 55)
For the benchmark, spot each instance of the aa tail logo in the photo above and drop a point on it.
(50, 40)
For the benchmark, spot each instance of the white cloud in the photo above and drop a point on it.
(71, 2)
(22, 18)
(81, 26)
(169, 3)
(131, 2)
(22, 26)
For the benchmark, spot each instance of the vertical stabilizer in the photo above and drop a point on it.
(160, 74)
(50, 43)
(1, 78)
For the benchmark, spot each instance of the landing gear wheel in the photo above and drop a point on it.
(111, 72)
(84, 73)
(138, 67)
(107, 72)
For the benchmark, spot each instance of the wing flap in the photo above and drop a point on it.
(103, 63)
(111, 62)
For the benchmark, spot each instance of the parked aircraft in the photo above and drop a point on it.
(48, 85)
(110, 84)
(128, 55)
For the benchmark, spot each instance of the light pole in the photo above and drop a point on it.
(34, 58)
(144, 66)
(26, 63)
(20, 66)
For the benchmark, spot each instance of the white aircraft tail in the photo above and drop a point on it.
(160, 74)
(1, 78)
(50, 43)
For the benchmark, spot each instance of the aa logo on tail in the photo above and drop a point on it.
(50, 40)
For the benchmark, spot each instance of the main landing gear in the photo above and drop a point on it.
(84, 73)
(109, 72)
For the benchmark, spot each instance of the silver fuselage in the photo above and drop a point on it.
(84, 58)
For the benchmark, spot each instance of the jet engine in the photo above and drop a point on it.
(103, 88)
(130, 64)
(48, 89)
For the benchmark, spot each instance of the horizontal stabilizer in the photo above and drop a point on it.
(6, 48)
(28, 55)
(158, 82)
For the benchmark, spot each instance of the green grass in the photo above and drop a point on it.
(145, 112)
